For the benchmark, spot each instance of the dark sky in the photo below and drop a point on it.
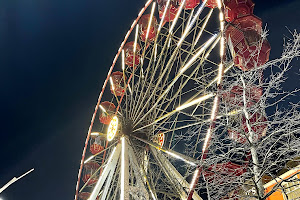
(54, 56)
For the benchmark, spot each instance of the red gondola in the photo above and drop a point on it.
(238, 8)
(258, 125)
(171, 10)
(235, 96)
(96, 148)
(218, 171)
(211, 3)
(250, 50)
(85, 195)
(106, 114)
(129, 54)
(143, 24)
(118, 83)
(190, 4)
(249, 58)
(89, 169)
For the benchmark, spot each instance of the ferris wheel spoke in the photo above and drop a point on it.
(190, 25)
(169, 114)
(182, 85)
(186, 105)
(227, 68)
(177, 17)
(161, 53)
(185, 126)
(144, 87)
(133, 68)
(195, 122)
(179, 108)
(151, 95)
(179, 182)
(152, 77)
(203, 26)
(188, 160)
(182, 70)
(146, 44)
(164, 47)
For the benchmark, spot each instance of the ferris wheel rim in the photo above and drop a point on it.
(104, 86)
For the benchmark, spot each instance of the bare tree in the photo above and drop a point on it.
(256, 137)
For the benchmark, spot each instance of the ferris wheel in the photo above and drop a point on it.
(156, 112)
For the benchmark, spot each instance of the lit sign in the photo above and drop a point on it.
(112, 128)
(159, 139)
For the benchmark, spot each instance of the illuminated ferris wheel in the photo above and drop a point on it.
(157, 109)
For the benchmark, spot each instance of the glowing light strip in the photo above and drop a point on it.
(129, 88)
(95, 133)
(219, 4)
(94, 193)
(163, 17)
(188, 28)
(194, 179)
(216, 79)
(150, 21)
(123, 169)
(136, 37)
(177, 16)
(169, 43)
(180, 158)
(102, 108)
(204, 47)
(220, 73)
(206, 139)
(190, 18)
(212, 47)
(222, 23)
(152, 195)
(214, 110)
(164, 116)
(196, 101)
(203, 26)
(123, 60)
(175, 155)
(142, 71)
(222, 46)
(155, 52)
(89, 159)
(212, 118)
(111, 83)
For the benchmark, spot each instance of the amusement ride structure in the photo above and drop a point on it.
(159, 104)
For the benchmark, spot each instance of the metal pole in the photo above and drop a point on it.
(14, 179)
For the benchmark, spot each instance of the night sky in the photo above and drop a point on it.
(54, 57)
